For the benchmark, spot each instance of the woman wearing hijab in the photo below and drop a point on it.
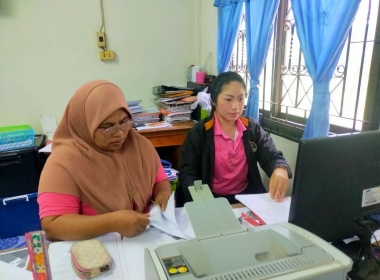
(101, 174)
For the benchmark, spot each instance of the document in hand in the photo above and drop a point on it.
(174, 222)
(267, 209)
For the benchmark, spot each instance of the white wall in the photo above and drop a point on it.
(48, 49)
(207, 35)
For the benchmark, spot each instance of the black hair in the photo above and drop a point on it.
(222, 80)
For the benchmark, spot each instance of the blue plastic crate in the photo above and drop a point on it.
(18, 215)
(16, 137)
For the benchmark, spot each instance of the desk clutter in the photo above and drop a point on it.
(214, 246)
(175, 103)
(217, 248)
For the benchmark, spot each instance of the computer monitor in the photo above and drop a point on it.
(337, 181)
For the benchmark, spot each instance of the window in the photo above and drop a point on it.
(286, 89)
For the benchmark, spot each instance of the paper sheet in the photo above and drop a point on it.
(60, 259)
(183, 222)
(267, 209)
(46, 149)
(11, 272)
(18, 258)
(49, 123)
(134, 251)
(166, 221)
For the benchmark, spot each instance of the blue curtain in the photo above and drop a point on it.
(229, 17)
(259, 16)
(322, 28)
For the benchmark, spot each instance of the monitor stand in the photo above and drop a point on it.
(365, 262)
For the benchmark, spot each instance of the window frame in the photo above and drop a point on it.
(290, 126)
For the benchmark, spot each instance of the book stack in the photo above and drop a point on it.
(175, 103)
(141, 115)
(135, 107)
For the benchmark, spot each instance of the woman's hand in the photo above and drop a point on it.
(161, 199)
(278, 184)
(161, 194)
(129, 223)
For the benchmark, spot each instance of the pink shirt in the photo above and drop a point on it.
(231, 168)
(56, 204)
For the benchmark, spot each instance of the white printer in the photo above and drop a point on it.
(223, 250)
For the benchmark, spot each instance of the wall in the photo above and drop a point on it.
(48, 49)
(208, 35)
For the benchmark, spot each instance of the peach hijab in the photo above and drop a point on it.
(106, 181)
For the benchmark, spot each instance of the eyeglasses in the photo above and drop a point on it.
(109, 132)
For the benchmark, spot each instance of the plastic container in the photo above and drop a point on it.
(200, 78)
(204, 113)
(16, 137)
(194, 70)
(19, 215)
(174, 184)
(20, 169)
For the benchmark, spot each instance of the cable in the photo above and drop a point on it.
(103, 27)
(359, 222)
(103, 21)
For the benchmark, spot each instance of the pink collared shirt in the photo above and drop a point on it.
(56, 204)
(231, 168)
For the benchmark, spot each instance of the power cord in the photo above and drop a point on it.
(375, 258)
(373, 235)
(103, 27)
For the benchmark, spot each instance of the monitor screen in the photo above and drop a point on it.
(337, 180)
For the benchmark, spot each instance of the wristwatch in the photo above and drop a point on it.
(283, 167)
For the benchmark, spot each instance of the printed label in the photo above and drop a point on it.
(371, 196)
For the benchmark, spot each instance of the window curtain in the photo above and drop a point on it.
(259, 16)
(322, 28)
(229, 17)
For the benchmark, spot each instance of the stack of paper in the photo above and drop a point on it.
(149, 115)
(134, 106)
(174, 95)
(179, 102)
(267, 209)
(172, 117)
(173, 221)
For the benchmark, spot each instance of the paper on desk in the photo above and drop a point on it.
(155, 125)
(11, 272)
(18, 258)
(134, 251)
(183, 222)
(60, 259)
(46, 149)
(267, 209)
(166, 221)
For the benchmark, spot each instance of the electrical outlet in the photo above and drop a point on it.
(107, 55)
(101, 38)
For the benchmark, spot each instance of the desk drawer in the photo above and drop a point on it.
(167, 140)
